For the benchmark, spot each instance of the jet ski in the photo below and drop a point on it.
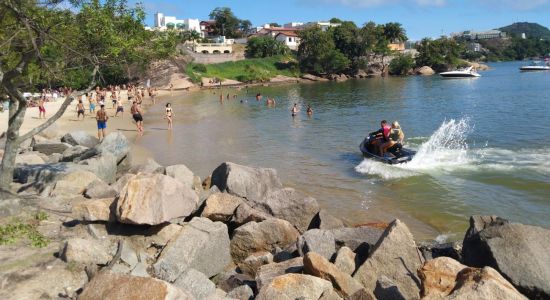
(394, 155)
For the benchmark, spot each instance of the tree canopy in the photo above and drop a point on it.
(265, 46)
(227, 24)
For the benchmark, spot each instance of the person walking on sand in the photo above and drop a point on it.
(41, 109)
(169, 115)
(119, 108)
(295, 110)
(80, 110)
(101, 117)
(136, 114)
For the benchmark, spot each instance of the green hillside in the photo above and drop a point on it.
(532, 30)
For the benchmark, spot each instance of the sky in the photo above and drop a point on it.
(420, 18)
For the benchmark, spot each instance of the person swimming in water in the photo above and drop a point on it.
(309, 110)
(295, 110)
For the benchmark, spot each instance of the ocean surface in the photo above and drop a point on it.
(483, 145)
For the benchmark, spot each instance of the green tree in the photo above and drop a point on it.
(265, 46)
(441, 54)
(227, 23)
(274, 24)
(394, 32)
(401, 64)
(318, 54)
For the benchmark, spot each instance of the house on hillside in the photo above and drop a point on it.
(289, 38)
(163, 22)
(207, 28)
(398, 46)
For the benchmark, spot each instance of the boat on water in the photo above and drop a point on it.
(468, 72)
(394, 155)
(536, 66)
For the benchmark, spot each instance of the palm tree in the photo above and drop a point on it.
(394, 32)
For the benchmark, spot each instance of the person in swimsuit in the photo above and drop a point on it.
(169, 115)
(309, 110)
(295, 110)
(119, 108)
(41, 109)
(136, 114)
(80, 110)
(114, 98)
(258, 97)
(101, 118)
(91, 101)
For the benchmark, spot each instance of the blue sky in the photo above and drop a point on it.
(421, 18)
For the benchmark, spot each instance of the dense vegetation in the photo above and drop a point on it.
(402, 64)
(531, 30)
(250, 70)
(441, 54)
(227, 24)
(265, 46)
(515, 49)
(346, 47)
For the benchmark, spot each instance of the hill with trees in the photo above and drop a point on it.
(531, 30)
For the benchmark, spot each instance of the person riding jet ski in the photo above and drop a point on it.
(382, 135)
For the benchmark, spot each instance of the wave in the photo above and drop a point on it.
(447, 151)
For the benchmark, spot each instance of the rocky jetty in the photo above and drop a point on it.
(154, 232)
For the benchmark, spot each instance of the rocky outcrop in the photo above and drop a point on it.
(439, 276)
(424, 71)
(102, 210)
(221, 207)
(243, 292)
(150, 166)
(80, 138)
(264, 236)
(253, 262)
(359, 239)
(182, 174)
(154, 199)
(201, 244)
(74, 183)
(50, 147)
(116, 144)
(84, 252)
(515, 250)
(73, 152)
(104, 166)
(99, 189)
(345, 260)
(396, 257)
(196, 283)
(112, 286)
(29, 158)
(266, 273)
(317, 240)
(324, 220)
(294, 286)
(317, 265)
(311, 77)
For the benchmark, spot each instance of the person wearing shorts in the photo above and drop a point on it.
(136, 114)
(41, 109)
(80, 110)
(101, 118)
(119, 108)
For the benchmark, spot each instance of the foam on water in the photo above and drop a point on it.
(447, 150)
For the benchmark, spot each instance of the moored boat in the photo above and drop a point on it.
(536, 66)
(468, 72)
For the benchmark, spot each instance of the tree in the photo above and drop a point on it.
(274, 24)
(227, 24)
(401, 64)
(318, 54)
(335, 21)
(440, 54)
(265, 46)
(245, 26)
(394, 32)
(47, 42)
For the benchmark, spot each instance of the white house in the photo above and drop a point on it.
(163, 22)
(289, 38)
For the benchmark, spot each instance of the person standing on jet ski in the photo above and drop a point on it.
(396, 136)
(382, 135)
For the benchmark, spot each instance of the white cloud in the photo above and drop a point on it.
(371, 3)
(516, 4)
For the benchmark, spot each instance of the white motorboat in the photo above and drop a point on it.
(536, 66)
(461, 73)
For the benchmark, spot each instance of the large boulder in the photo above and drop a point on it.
(103, 165)
(262, 190)
(425, 71)
(324, 220)
(264, 236)
(243, 292)
(115, 143)
(266, 273)
(84, 251)
(29, 158)
(102, 210)
(73, 152)
(74, 183)
(80, 138)
(294, 286)
(201, 244)
(319, 266)
(439, 276)
(50, 147)
(112, 286)
(317, 240)
(345, 260)
(359, 239)
(196, 283)
(221, 207)
(181, 173)
(150, 166)
(396, 257)
(99, 189)
(252, 263)
(154, 199)
(515, 250)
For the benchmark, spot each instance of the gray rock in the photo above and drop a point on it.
(50, 147)
(98, 190)
(517, 251)
(252, 263)
(153, 199)
(221, 207)
(230, 280)
(396, 257)
(150, 166)
(116, 144)
(80, 138)
(196, 283)
(264, 236)
(162, 234)
(54, 158)
(121, 182)
(140, 270)
(330, 295)
(72, 153)
(318, 241)
(84, 252)
(387, 290)
(486, 283)
(102, 210)
(182, 174)
(201, 244)
(104, 166)
(243, 292)
(267, 273)
(29, 158)
(129, 255)
(73, 183)
(324, 220)
(345, 260)
(51, 132)
(358, 239)
(244, 214)
(294, 286)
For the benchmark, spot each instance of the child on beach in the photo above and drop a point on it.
(169, 115)
(101, 118)
(80, 110)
